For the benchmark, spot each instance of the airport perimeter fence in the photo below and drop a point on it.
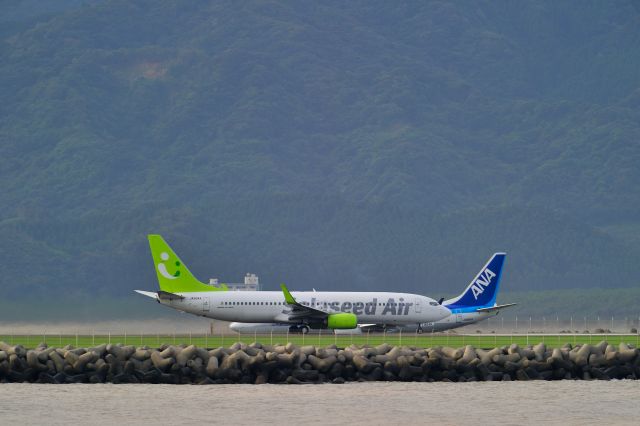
(319, 339)
(495, 331)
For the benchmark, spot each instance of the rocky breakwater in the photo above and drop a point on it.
(257, 363)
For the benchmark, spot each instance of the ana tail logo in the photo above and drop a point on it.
(483, 281)
(162, 268)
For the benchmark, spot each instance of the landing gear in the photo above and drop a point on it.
(419, 330)
(303, 329)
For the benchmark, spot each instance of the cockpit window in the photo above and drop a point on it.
(433, 303)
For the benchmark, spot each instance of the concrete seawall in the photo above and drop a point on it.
(257, 363)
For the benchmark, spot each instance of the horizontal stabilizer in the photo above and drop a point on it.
(151, 294)
(496, 308)
(165, 295)
(160, 295)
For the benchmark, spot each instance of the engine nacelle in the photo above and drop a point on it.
(343, 320)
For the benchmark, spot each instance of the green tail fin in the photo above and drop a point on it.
(173, 274)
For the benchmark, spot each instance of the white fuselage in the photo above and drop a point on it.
(270, 306)
(454, 321)
(447, 323)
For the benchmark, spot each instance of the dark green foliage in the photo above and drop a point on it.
(358, 145)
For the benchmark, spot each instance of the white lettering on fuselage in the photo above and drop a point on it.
(482, 282)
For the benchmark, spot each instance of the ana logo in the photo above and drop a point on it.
(482, 282)
(163, 268)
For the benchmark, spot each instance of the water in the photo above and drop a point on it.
(563, 402)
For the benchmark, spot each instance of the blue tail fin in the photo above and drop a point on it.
(482, 290)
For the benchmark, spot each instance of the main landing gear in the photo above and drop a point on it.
(304, 329)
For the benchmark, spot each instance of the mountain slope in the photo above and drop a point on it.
(358, 145)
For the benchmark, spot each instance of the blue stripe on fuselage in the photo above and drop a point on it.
(465, 310)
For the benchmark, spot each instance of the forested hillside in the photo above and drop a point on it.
(336, 145)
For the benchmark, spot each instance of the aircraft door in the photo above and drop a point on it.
(205, 304)
(418, 306)
(458, 317)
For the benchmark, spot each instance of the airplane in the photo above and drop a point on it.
(180, 290)
(476, 303)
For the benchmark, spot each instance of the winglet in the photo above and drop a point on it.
(287, 296)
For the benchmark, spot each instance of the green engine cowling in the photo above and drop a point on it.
(342, 321)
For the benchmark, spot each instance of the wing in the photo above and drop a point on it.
(496, 308)
(300, 311)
